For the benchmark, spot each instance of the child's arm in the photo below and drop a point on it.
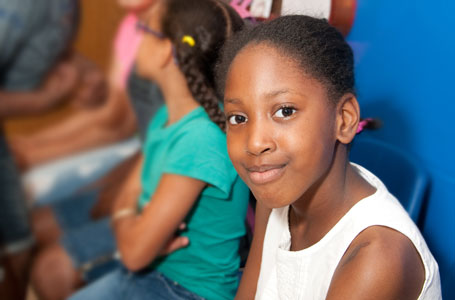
(380, 263)
(141, 238)
(248, 284)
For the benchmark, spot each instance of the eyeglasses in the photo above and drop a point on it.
(145, 28)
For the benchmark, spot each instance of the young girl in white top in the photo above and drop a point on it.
(325, 228)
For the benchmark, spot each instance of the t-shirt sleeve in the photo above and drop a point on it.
(200, 152)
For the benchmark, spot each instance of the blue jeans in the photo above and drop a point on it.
(14, 223)
(122, 284)
(74, 212)
(89, 243)
(92, 248)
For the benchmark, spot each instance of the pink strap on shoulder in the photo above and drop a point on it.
(126, 43)
(241, 6)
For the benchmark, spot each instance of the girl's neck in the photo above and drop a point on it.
(320, 208)
(177, 97)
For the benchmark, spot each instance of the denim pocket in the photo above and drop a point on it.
(154, 285)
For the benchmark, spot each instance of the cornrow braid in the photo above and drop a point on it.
(209, 23)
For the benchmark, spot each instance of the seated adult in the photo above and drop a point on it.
(33, 38)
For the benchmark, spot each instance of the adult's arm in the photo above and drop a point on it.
(57, 88)
(248, 284)
(86, 128)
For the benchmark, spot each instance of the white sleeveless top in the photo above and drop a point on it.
(306, 274)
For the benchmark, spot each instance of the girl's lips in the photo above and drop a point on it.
(265, 174)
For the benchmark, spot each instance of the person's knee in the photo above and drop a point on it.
(53, 275)
(45, 226)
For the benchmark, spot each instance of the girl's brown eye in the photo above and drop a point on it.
(237, 119)
(285, 112)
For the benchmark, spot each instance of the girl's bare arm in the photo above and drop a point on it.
(141, 238)
(248, 284)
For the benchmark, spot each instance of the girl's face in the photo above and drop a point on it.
(281, 125)
(152, 50)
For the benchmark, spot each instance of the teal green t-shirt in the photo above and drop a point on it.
(195, 147)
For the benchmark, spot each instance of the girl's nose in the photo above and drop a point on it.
(260, 139)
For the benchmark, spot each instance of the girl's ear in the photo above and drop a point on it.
(347, 120)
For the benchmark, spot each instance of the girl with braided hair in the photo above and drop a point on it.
(186, 176)
(179, 218)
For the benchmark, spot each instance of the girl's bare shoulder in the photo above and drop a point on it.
(381, 263)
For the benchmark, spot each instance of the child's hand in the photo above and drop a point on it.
(175, 243)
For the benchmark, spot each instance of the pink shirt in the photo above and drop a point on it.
(126, 44)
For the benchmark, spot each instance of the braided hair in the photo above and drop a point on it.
(209, 23)
(318, 48)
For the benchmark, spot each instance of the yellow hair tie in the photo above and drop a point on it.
(188, 39)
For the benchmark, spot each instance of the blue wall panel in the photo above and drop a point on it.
(405, 67)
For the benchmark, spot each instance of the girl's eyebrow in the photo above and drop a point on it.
(232, 101)
(267, 96)
(273, 94)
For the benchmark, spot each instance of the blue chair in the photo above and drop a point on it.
(399, 171)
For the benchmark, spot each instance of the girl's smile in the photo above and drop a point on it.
(262, 174)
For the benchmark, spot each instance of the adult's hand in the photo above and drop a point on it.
(59, 85)
(92, 90)
(56, 88)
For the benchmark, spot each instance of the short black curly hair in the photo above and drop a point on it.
(317, 47)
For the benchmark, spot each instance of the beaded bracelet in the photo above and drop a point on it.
(122, 213)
